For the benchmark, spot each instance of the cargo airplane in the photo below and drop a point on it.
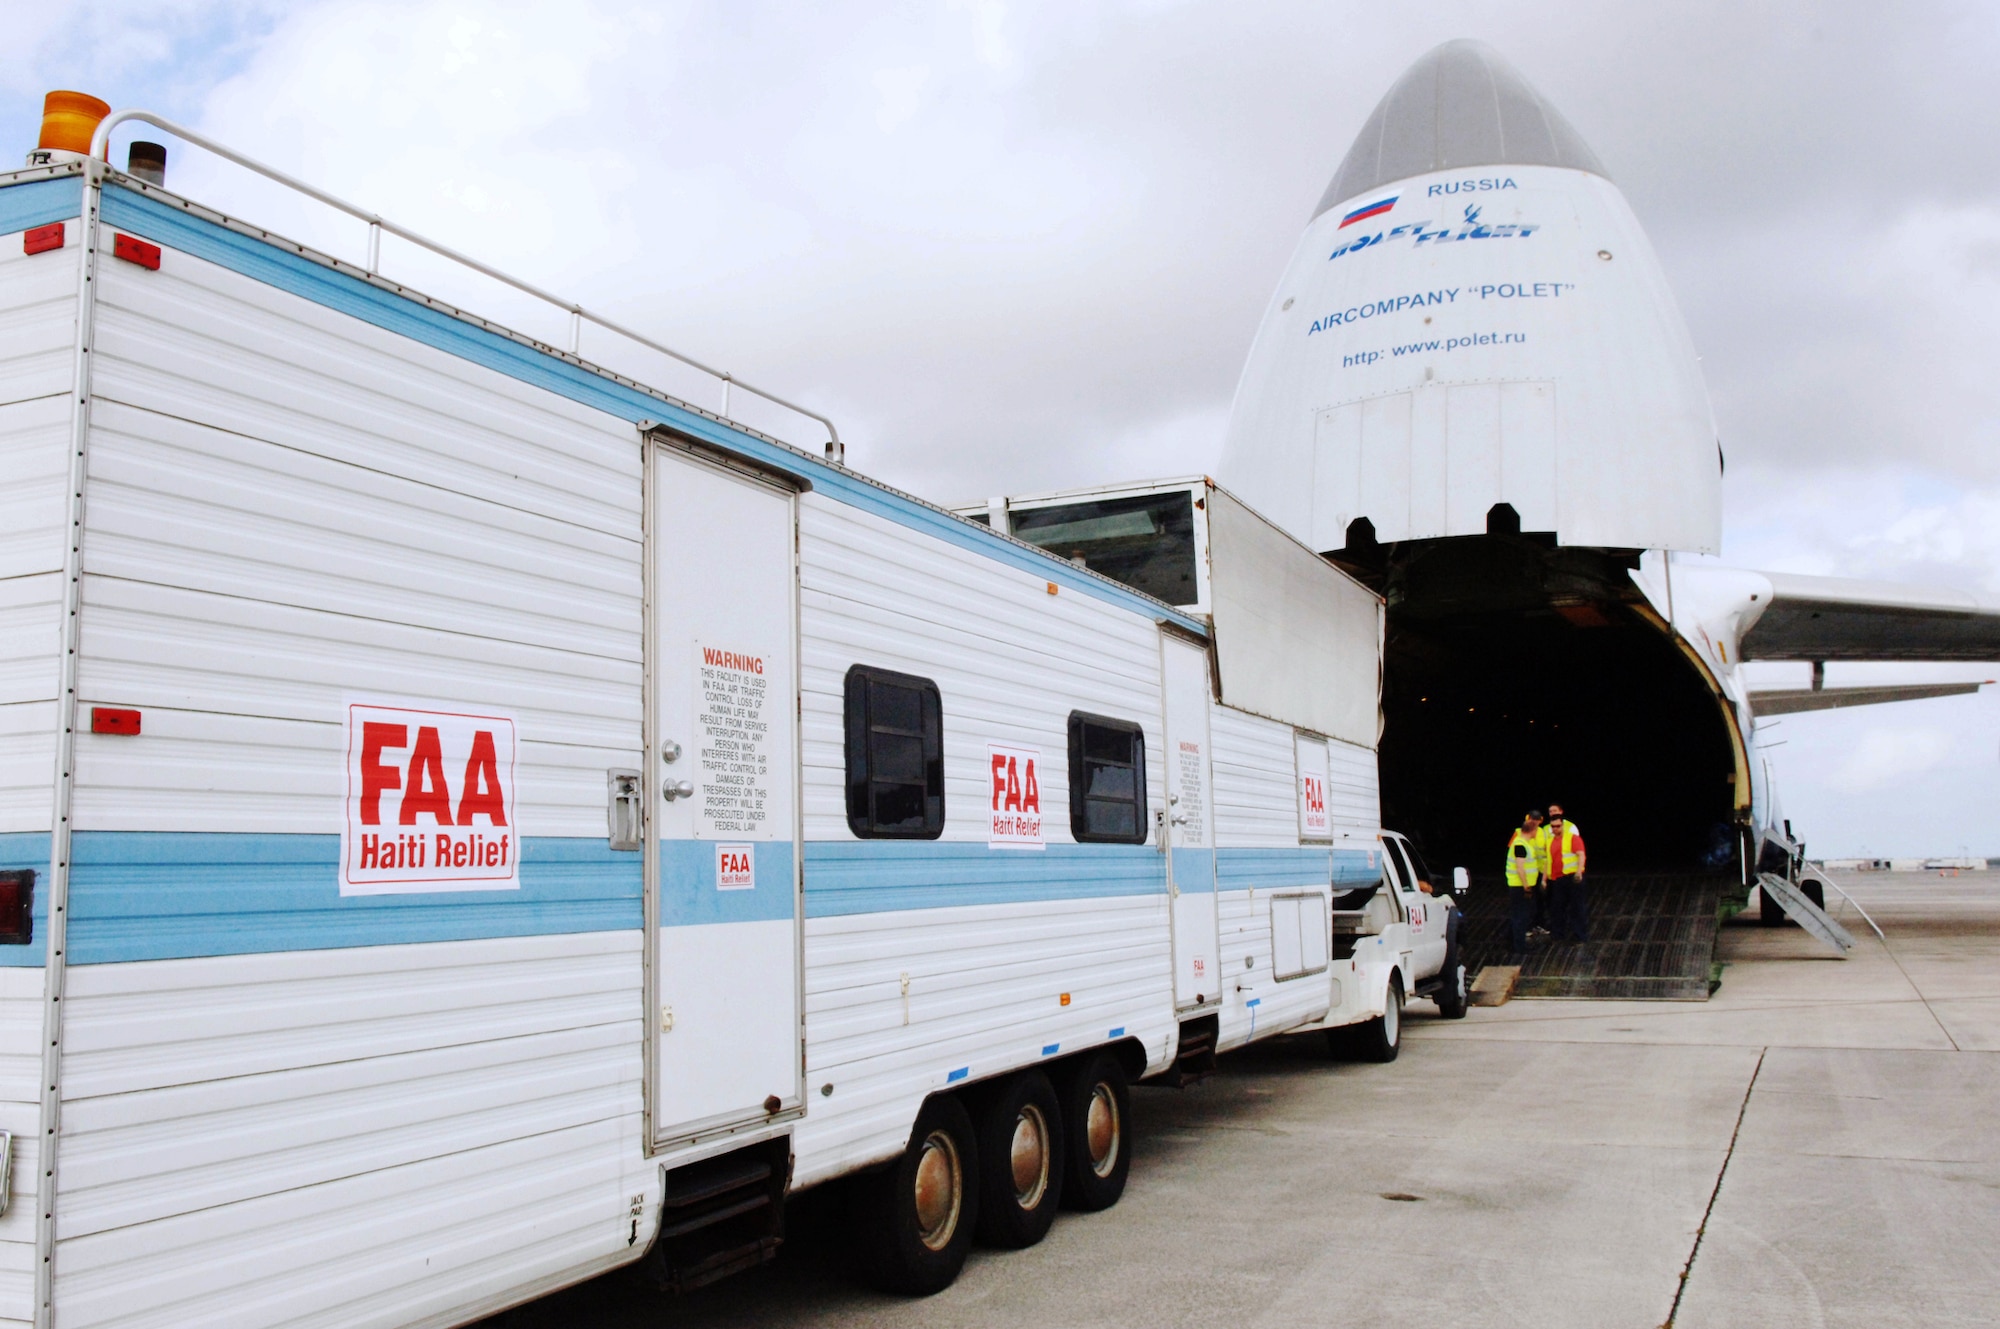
(1472, 389)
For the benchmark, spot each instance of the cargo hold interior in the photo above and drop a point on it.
(1517, 674)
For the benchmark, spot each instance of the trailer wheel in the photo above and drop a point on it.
(1021, 1162)
(917, 1215)
(1381, 1038)
(1097, 1133)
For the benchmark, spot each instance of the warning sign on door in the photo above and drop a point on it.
(1016, 815)
(733, 745)
(430, 802)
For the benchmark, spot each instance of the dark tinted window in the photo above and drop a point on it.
(895, 755)
(1147, 542)
(1107, 780)
(1394, 849)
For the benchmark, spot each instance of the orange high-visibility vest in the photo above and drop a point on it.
(1565, 849)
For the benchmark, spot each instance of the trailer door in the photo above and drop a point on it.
(723, 759)
(1190, 822)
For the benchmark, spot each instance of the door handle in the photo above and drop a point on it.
(624, 808)
(678, 789)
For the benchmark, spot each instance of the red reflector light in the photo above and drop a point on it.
(111, 720)
(135, 251)
(42, 238)
(17, 907)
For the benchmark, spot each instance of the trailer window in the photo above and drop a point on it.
(1107, 780)
(895, 755)
(1146, 541)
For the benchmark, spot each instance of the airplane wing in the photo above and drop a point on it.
(1790, 701)
(1834, 618)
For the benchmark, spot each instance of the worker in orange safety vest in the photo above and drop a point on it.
(1569, 907)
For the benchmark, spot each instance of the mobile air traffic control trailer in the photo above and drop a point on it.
(472, 821)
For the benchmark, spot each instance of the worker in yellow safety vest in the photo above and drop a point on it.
(1569, 907)
(1524, 879)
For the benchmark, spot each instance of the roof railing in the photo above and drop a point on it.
(100, 148)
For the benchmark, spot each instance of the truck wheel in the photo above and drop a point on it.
(1381, 1038)
(916, 1216)
(1097, 1133)
(1021, 1162)
(1453, 997)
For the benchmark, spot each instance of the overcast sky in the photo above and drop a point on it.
(1017, 246)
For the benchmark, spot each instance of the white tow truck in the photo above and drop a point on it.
(1393, 940)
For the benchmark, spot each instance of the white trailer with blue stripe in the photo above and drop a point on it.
(472, 821)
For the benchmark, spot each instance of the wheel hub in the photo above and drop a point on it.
(939, 1191)
(1030, 1157)
(1103, 1130)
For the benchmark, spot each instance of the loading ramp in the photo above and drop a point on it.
(1652, 937)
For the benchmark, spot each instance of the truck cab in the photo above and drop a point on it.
(1395, 939)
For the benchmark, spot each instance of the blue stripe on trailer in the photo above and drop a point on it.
(1355, 867)
(30, 850)
(957, 1075)
(1194, 871)
(39, 202)
(878, 876)
(688, 893)
(1285, 865)
(147, 895)
(350, 295)
(1050, 1049)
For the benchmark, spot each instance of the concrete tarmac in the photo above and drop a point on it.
(1813, 1146)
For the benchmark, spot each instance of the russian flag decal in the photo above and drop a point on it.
(1371, 210)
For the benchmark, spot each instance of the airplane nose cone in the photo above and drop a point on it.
(1459, 105)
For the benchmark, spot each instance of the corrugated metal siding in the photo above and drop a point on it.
(37, 357)
(37, 350)
(1256, 808)
(986, 985)
(1011, 662)
(1354, 790)
(20, 1112)
(287, 506)
(1256, 802)
(345, 1136)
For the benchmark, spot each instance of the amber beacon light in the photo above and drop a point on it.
(69, 119)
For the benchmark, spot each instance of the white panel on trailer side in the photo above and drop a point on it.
(38, 294)
(926, 958)
(290, 507)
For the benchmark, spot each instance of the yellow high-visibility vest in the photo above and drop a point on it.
(1565, 849)
(1524, 863)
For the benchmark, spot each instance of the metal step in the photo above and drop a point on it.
(1194, 1060)
(1801, 910)
(720, 1216)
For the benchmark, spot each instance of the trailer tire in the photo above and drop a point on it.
(915, 1217)
(1097, 1132)
(1381, 1038)
(1021, 1162)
